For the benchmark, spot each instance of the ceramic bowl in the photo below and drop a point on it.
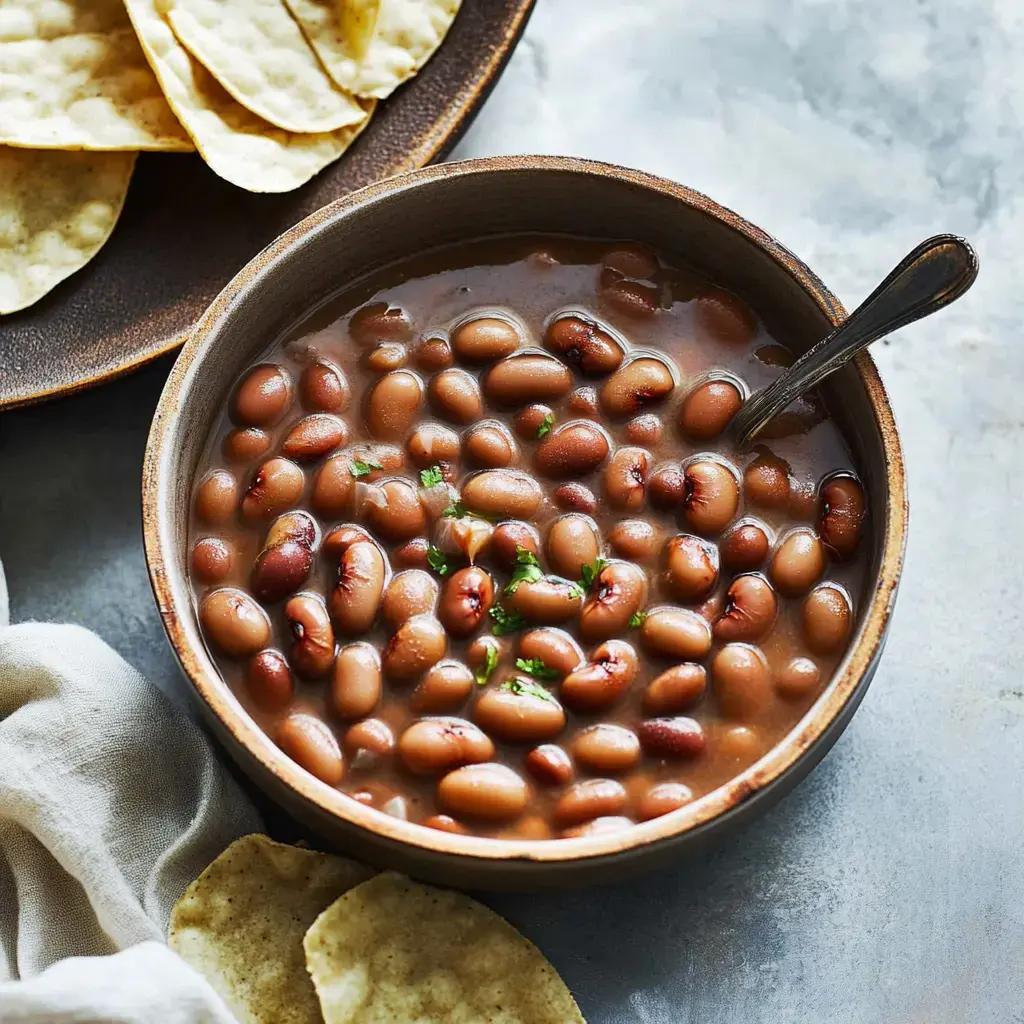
(444, 204)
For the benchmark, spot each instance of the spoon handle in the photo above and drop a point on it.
(929, 277)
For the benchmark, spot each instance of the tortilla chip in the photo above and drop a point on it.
(56, 211)
(257, 51)
(241, 923)
(238, 145)
(392, 950)
(370, 47)
(73, 76)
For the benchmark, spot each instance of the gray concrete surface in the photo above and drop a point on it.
(888, 887)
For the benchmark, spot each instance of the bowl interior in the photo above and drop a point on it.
(454, 202)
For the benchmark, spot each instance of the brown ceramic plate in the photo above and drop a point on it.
(185, 232)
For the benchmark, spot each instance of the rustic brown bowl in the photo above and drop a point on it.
(444, 204)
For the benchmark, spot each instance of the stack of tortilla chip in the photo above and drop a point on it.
(269, 92)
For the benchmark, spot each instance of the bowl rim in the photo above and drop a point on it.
(697, 816)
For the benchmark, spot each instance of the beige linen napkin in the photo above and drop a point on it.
(111, 802)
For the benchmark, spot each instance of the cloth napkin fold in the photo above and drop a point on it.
(111, 802)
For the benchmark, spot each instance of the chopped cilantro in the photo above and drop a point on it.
(490, 664)
(589, 573)
(456, 510)
(535, 667)
(360, 468)
(637, 619)
(527, 570)
(545, 425)
(438, 561)
(526, 688)
(505, 621)
(431, 477)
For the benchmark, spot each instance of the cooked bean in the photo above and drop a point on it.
(445, 686)
(797, 679)
(745, 547)
(379, 321)
(356, 686)
(445, 823)
(842, 514)
(635, 539)
(416, 646)
(433, 354)
(827, 618)
(357, 595)
(484, 339)
(466, 597)
(606, 749)
(412, 554)
(634, 298)
(262, 397)
(276, 487)
(548, 600)
(572, 543)
(489, 445)
(667, 488)
(592, 798)
(324, 388)
(549, 764)
(280, 570)
(738, 743)
(455, 395)
(298, 526)
(742, 681)
(529, 421)
(269, 680)
(598, 827)
(490, 791)
(217, 498)
(603, 680)
(435, 745)
(519, 380)
(575, 498)
(676, 633)
(413, 592)
(519, 717)
(631, 260)
(708, 409)
(234, 622)
(625, 479)
(640, 383)
(476, 652)
(468, 536)
(573, 449)
(711, 496)
(401, 515)
(671, 737)
(583, 344)
(508, 538)
(393, 404)
(583, 401)
(334, 486)
(750, 610)
(246, 444)
(502, 492)
(312, 651)
(617, 595)
(802, 500)
(554, 647)
(211, 560)
(644, 430)
(798, 563)
(675, 689)
(692, 566)
(370, 735)
(310, 743)
(340, 539)
(663, 798)
(387, 356)
(766, 481)
(720, 316)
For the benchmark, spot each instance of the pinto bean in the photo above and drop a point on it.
(234, 622)
(387, 356)
(631, 260)
(663, 798)
(445, 686)
(619, 590)
(603, 680)
(492, 792)
(721, 317)
(445, 823)
(766, 481)
(672, 737)
(638, 384)
(635, 539)
(841, 515)
(549, 764)
(519, 717)
(262, 397)
(314, 436)
(598, 827)
(415, 647)
(370, 736)
(554, 647)
(412, 554)
(750, 610)
(455, 396)
(356, 597)
(413, 592)
(312, 651)
(477, 651)
(356, 686)
(745, 547)
(606, 749)
(798, 563)
(324, 387)
(675, 689)
(528, 422)
(276, 487)
(575, 497)
(216, 498)
(334, 486)
(508, 538)
(635, 299)
(311, 744)
(711, 496)
(393, 404)
(466, 597)
(592, 798)
(432, 354)
(826, 617)
(708, 409)
(692, 567)
(432, 443)
(401, 514)
(485, 339)
(797, 679)
(246, 444)
(502, 492)
(742, 681)
(340, 539)
(625, 479)
(380, 321)
(280, 570)
(435, 745)
(583, 401)
(572, 542)
(269, 680)
(644, 430)
(667, 488)
(573, 449)
(676, 633)
(490, 445)
(211, 560)
(521, 379)
(583, 344)
(548, 600)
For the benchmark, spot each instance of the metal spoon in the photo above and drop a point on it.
(929, 277)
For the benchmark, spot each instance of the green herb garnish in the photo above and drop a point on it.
(360, 468)
(527, 570)
(526, 688)
(637, 619)
(589, 573)
(505, 621)
(431, 477)
(535, 667)
(438, 561)
(490, 664)
(456, 510)
(545, 425)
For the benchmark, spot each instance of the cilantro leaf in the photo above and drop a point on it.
(490, 664)
(589, 573)
(545, 425)
(456, 510)
(360, 468)
(637, 619)
(526, 688)
(527, 570)
(535, 667)
(431, 477)
(438, 561)
(505, 621)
